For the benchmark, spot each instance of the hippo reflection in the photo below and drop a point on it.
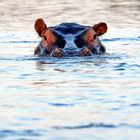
(69, 39)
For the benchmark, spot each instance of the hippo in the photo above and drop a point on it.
(69, 39)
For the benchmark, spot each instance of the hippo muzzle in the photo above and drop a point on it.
(69, 39)
(69, 53)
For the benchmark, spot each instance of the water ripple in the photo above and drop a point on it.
(106, 40)
(16, 42)
(97, 125)
(122, 39)
(61, 104)
(7, 132)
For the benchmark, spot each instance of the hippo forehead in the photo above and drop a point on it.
(67, 33)
(69, 28)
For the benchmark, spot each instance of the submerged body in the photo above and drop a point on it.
(69, 39)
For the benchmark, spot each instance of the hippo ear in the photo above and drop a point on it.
(40, 26)
(100, 28)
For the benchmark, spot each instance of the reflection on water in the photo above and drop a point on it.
(19, 15)
(60, 98)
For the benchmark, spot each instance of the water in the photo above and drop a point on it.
(70, 98)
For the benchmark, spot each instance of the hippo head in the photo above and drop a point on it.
(69, 39)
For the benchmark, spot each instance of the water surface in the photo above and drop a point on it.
(70, 98)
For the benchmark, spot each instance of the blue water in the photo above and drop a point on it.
(70, 98)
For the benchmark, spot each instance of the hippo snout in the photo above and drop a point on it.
(58, 52)
(73, 52)
(78, 52)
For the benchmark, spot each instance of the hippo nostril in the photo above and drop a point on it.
(57, 53)
(85, 52)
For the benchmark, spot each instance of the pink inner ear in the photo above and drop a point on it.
(100, 28)
(40, 26)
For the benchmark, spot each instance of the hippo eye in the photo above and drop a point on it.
(94, 36)
(45, 37)
(61, 43)
(79, 43)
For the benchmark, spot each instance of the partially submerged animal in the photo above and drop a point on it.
(69, 39)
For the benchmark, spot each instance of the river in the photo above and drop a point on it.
(70, 98)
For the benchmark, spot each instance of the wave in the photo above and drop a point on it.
(16, 41)
(7, 132)
(97, 125)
